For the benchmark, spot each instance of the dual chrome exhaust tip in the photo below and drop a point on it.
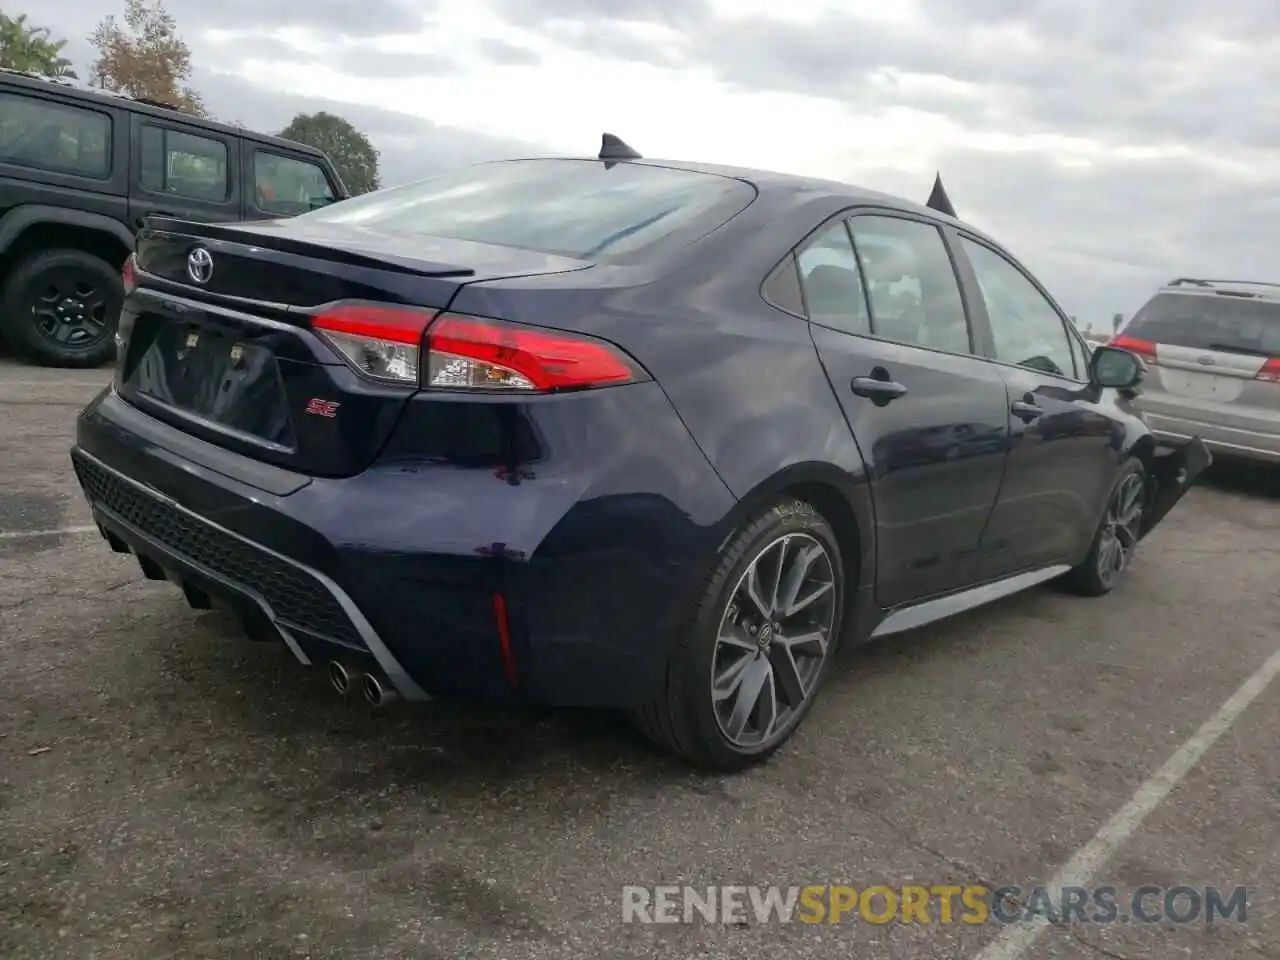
(345, 679)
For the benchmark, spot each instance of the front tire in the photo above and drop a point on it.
(1116, 539)
(758, 646)
(61, 309)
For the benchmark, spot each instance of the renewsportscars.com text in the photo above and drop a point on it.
(935, 904)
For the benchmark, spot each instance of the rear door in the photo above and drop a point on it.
(183, 171)
(1213, 367)
(1064, 446)
(929, 416)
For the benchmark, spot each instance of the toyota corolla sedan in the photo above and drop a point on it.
(611, 432)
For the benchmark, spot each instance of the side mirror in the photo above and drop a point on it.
(1114, 367)
(315, 203)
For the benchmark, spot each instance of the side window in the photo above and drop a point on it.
(832, 282)
(54, 136)
(183, 164)
(914, 293)
(782, 287)
(288, 185)
(1026, 329)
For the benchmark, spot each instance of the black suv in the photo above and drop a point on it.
(79, 170)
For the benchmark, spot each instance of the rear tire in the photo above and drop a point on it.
(1116, 539)
(61, 308)
(707, 714)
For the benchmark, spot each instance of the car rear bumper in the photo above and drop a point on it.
(447, 581)
(1223, 441)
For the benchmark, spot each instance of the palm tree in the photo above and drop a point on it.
(32, 49)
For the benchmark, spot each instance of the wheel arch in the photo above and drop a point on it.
(29, 229)
(843, 501)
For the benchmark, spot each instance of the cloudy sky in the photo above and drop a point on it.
(1111, 145)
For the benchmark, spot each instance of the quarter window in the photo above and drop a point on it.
(782, 288)
(184, 165)
(914, 294)
(1025, 327)
(832, 282)
(54, 136)
(287, 185)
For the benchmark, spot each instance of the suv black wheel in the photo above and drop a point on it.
(759, 646)
(1117, 537)
(61, 308)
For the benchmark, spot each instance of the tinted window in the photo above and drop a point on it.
(782, 288)
(915, 297)
(1025, 327)
(55, 137)
(183, 164)
(576, 208)
(832, 282)
(288, 185)
(1209, 322)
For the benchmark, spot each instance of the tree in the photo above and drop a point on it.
(32, 49)
(146, 58)
(348, 148)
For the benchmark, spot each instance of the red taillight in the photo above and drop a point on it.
(1270, 371)
(468, 353)
(380, 342)
(1143, 348)
(126, 274)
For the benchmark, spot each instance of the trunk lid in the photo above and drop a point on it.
(221, 346)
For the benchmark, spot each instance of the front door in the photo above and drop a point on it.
(183, 171)
(929, 416)
(1064, 448)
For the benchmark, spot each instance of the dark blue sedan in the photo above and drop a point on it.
(611, 432)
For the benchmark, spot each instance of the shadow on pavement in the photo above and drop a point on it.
(1250, 479)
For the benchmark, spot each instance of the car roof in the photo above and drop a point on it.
(1256, 290)
(45, 86)
(813, 188)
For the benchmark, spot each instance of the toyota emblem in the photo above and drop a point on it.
(200, 265)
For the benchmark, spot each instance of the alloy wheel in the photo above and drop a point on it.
(1120, 529)
(773, 639)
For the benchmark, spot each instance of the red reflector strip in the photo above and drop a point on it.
(549, 360)
(504, 637)
(1270, 371)
(393, 324)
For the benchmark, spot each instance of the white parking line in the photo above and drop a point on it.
(1013, 942)
(57, 531)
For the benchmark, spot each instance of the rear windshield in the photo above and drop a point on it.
(577, 208)
(1209, 322)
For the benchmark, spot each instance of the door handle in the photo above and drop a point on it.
(876, 389)
(1026, 412)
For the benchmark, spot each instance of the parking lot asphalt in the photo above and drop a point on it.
(169, 789)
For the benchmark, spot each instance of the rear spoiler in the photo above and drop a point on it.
(260, 234)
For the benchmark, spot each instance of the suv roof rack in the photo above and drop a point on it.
(60, 81)
(101, 91)
(1259, 289)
